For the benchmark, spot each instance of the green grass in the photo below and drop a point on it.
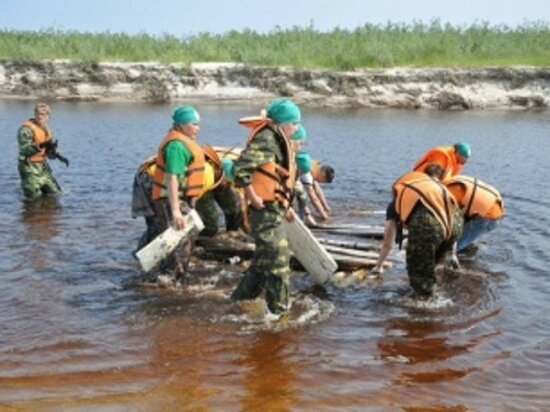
(418, 44)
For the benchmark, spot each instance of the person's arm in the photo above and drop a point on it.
(321, 196)
(177, 157)
(174, 201)
(255, 200)
(387, 244)
(315, 201)
(27, 146)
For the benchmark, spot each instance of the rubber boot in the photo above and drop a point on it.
(250, 287)
(276, 295)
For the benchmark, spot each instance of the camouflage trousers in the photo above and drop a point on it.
(270, 267)
(229, 202)
(37, 180)
(426, 247)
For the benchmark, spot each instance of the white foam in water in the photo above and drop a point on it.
(436, 302)
(303, 310)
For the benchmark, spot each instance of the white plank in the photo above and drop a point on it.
(151, 255)
(309, 252)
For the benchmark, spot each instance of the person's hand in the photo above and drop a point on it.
(256, 202)
(178, 220)
(309, 220)
(290, 215)
(452, 262)
(377, 270)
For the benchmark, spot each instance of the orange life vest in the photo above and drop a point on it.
(272, 181)
(40, 135)
(476, 198)
(444, 156)
(415, 187)
(191, 185)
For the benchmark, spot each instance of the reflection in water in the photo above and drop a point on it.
(40, 219)
(270, 373)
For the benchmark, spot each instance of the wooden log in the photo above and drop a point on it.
(350, 244)
(351, 263)
(351, 252)
(372, 234)
(347, 226)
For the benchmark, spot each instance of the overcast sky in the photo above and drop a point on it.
(185, 17)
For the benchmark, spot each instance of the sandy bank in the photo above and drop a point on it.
(404, 88)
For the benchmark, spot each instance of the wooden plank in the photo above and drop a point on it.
(309, 252)
(350, 244)
(351, 252)
(164, 244)
(372, 234)
(348, 263)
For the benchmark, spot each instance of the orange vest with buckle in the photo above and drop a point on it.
(415, 187)
(40, 135)
(191, 185)
(272, 181)
(476, 198)
(444, 156)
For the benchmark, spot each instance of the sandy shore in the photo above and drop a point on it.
(405, 88)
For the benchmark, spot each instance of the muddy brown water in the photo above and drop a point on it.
(80, 331)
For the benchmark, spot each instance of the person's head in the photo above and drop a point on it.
(434, 170)
(303, 162)
(326, 174)
(298, 138)
(286, 114)
(186, 119)
(41, 113)
(463, 152)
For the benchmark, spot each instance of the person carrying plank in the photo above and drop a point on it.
(266, 170)
(177, 183)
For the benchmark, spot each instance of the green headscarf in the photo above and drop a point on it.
(283, 111)
(300, 133)
(463, 149)
(303, 161)
(185, 115)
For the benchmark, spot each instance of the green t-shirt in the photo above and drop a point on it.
(176, 158)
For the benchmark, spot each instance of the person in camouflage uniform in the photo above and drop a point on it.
(427, 246)
(34, 138)
(269, 155)
(434, 223)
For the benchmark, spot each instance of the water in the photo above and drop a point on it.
(80, 331)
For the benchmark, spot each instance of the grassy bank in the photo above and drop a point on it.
(368, 46)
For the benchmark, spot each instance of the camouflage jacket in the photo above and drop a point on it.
(263, 148)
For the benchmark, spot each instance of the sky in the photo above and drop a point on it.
(184, 18)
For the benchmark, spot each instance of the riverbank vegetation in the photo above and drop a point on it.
(421, 45)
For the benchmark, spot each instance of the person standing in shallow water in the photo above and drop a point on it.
(434, 221)
(35, 147)
(177, 183)
(266, 170)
